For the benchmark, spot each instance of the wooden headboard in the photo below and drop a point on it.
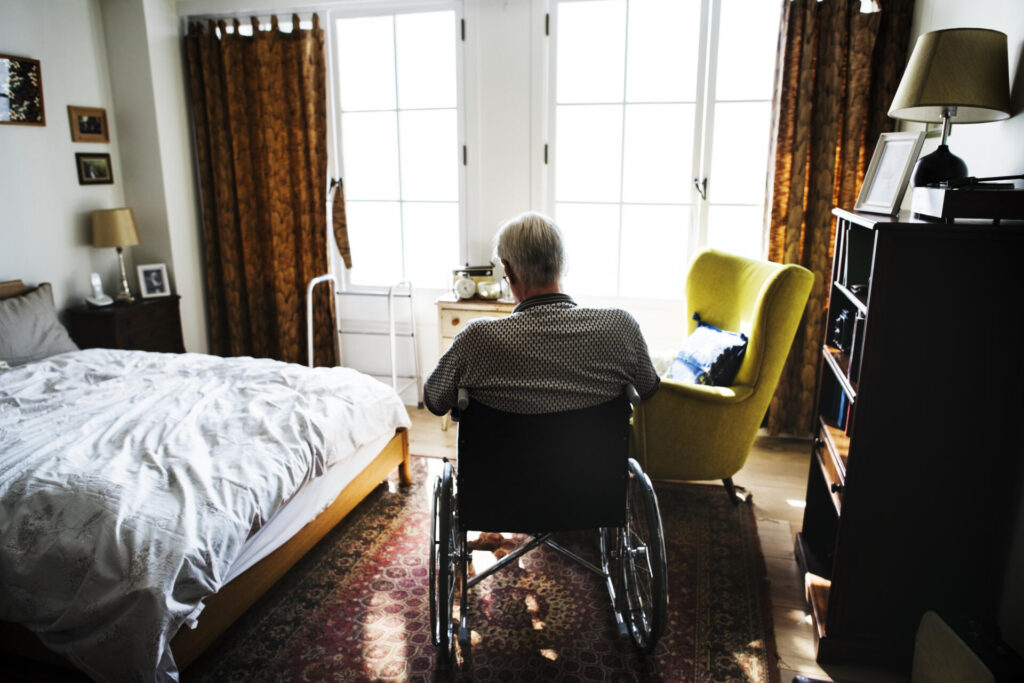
(13, 288)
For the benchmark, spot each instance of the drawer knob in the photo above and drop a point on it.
(836, 487)
(455, 322)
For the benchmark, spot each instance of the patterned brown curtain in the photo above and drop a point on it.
(838, 72)
(259, 107)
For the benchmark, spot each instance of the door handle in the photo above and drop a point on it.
(702, 187)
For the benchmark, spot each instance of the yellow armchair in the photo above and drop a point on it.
(698, 432)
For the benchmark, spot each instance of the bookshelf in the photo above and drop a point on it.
(915, 472)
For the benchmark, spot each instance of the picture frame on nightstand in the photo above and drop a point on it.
(153, 280)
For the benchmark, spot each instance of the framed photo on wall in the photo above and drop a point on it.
(886, 178)
(88, 124)
(21, 91)
(153, 280)
(94, 169)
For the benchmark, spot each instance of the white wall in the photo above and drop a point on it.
(45, 222)
(146, 68)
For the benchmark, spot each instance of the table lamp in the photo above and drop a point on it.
(116, 228)
(959, 75)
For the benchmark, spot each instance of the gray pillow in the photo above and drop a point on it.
(29, 329)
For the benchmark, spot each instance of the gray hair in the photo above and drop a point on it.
(533, 245)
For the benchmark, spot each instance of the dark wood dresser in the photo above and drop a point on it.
(144, 325)
(915, 476)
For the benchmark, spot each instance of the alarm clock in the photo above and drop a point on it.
(465, 287)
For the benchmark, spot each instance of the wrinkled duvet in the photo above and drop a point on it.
(130, 480)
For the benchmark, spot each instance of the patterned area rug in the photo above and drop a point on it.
(356, 607)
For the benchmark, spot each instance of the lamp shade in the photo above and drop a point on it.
(114, 228)
(964, 68)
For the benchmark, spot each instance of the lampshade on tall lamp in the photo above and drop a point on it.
(958, 75)
(116, 228)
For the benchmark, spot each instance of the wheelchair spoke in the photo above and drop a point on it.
(643, 562)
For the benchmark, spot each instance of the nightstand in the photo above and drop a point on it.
(144, 325)
(454, 314)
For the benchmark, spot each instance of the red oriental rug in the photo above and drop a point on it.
(356, 607)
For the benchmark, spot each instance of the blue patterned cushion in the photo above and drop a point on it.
(709, 356)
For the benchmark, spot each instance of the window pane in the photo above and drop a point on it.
(374, 236)
(366, 63)
(588, 153)
(663, 46)
(431, 242)
(591, 234)
(370, 155)
(654, 251)
(739, 154)
(591, 49)
(736, 229)
(426, 60)
(747, 45)
(430, 153)
(658, 153)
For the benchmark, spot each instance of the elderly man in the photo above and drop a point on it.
(549, 355)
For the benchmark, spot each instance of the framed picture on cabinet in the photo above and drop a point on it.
(153, 280)
(886, 178)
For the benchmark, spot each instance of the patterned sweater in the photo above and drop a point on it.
(549, 355)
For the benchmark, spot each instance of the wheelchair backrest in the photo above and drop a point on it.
(545, 472)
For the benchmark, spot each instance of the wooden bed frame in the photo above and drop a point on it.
(234, 598)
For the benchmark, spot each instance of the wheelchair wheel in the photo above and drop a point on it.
(643, 563)
(443, 563)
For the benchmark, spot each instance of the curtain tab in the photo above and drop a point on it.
(273, 24)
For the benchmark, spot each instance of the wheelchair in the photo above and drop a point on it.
(571, 471)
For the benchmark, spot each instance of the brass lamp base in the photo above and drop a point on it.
(125, 295)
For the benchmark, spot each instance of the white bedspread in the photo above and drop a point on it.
(130, 480)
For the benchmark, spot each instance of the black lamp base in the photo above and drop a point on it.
(938, 166)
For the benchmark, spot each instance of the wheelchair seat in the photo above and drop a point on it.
(538, 474)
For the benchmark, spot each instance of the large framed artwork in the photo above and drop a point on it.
(21, 91)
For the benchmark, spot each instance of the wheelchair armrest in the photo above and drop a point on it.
(463, 401)
(633, 396)
(707, 394)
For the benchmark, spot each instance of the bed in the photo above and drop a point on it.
(148, 499)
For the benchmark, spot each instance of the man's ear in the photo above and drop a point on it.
(508, 271)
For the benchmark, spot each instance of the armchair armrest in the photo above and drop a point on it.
(707, 394)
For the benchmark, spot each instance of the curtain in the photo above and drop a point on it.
(838, 72)
(259, 109)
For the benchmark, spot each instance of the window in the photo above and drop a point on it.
(649, 97)
(397, 95)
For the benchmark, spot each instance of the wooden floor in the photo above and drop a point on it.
(776, 475)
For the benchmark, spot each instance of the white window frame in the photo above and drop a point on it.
(545, 112)
(335, 163)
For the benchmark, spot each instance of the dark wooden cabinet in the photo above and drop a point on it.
(144, 325)
(916, 468)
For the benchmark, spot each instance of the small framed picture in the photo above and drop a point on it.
(153, 280)
(886, 178)
(94, 169)
(21, 91)
(88, 124)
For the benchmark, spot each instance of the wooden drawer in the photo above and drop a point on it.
(834, 476)
(454, 321)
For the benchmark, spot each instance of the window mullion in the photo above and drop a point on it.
(398, 143)
(704, 128)
(622, 149)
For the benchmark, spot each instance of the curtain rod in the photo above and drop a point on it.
(356, 5)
